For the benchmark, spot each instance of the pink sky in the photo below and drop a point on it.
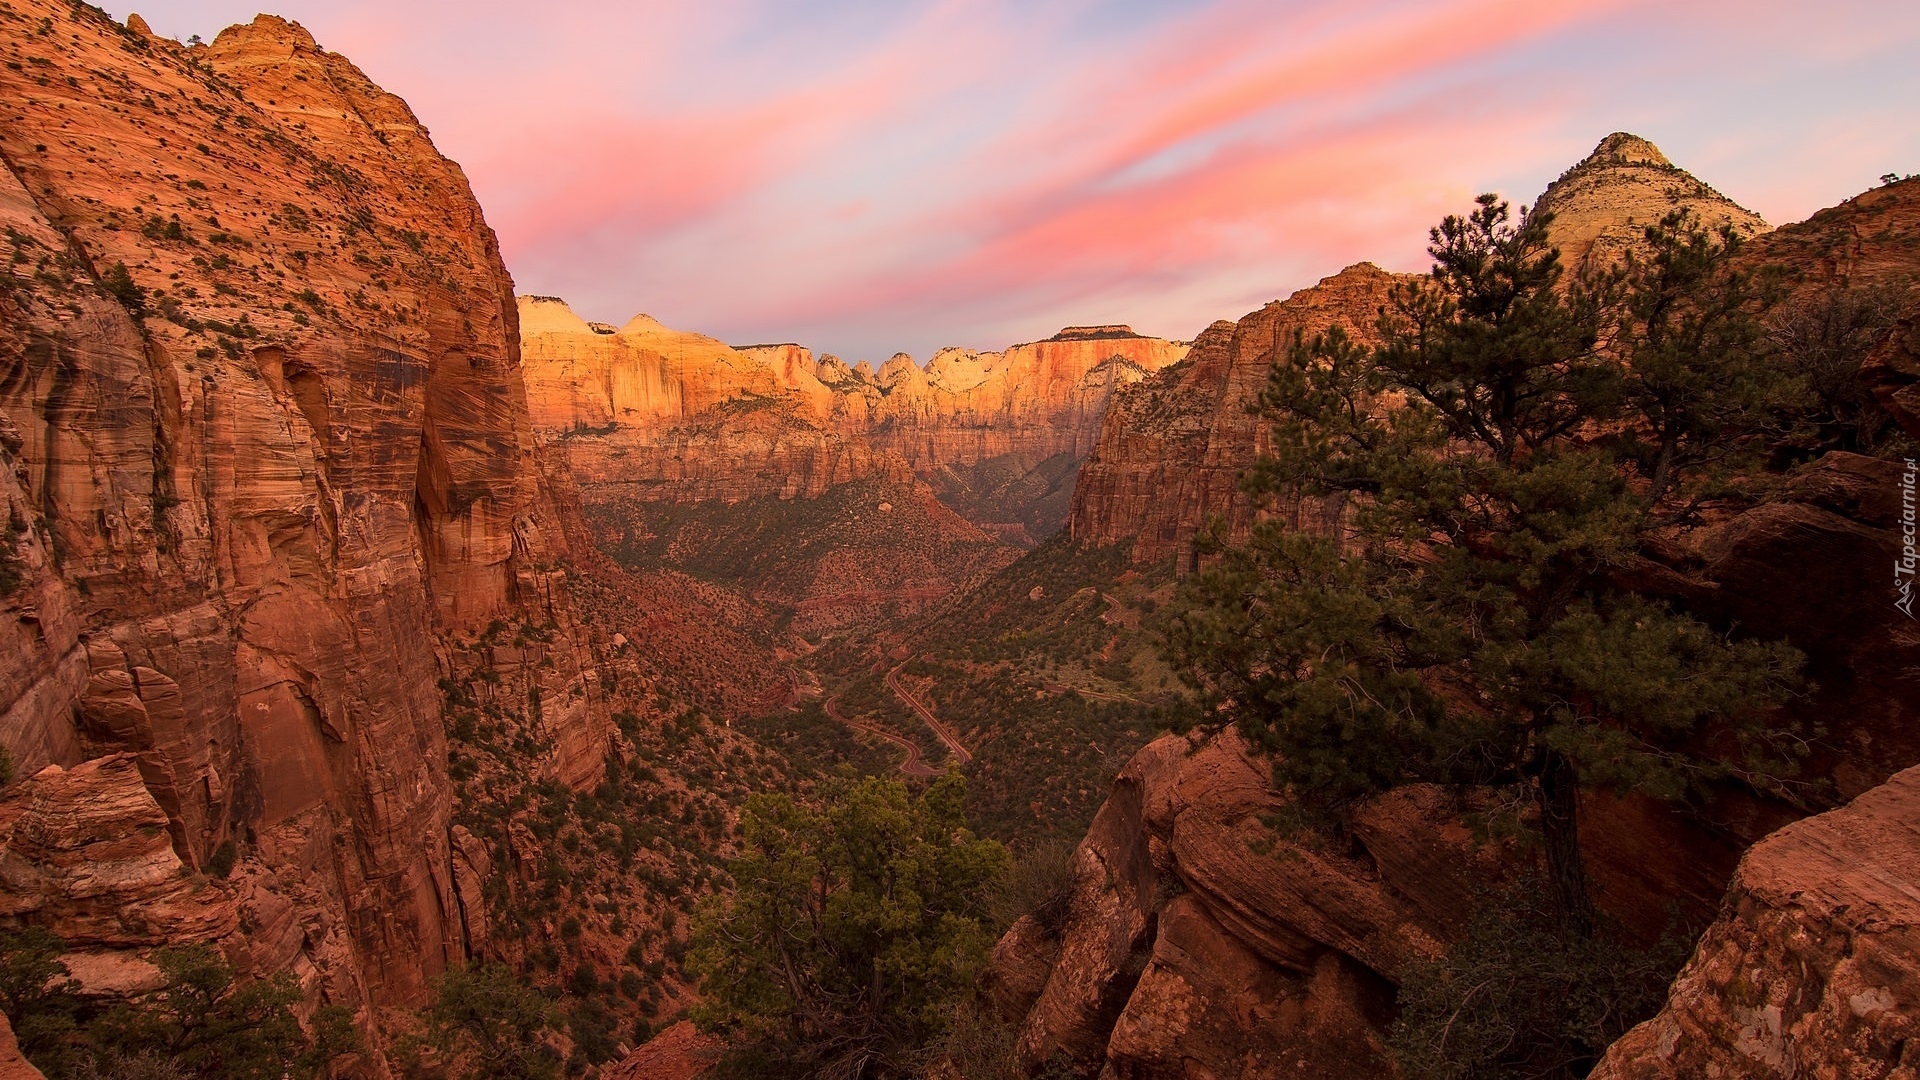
(867, 176)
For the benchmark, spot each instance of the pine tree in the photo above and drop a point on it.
(853, 929)
(1503, 456)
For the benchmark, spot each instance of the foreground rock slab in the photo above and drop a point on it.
(1813, 968)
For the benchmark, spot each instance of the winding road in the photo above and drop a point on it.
(914, 766)
(940, 730)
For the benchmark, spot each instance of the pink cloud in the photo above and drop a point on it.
(956, 171)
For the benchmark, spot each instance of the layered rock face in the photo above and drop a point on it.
(1201, 933)
(1129, 983)
(264, 439)
(843, 494)
(1813, 968)
(1601, 207)
(1173, 447)
(677, 417)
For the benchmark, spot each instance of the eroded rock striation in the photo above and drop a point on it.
(1813, 968)
(674, 416)
(1174, 446)
(264, 444)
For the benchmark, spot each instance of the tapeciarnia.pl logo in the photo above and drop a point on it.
(1904, 568)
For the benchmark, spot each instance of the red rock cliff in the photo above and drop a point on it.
(677, 416)
(1173, 447)
(1813, 968)
(265, 440)
(1179, 880)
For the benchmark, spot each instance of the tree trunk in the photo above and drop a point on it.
(1557, 793)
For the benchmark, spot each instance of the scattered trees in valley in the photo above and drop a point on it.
(853, 929)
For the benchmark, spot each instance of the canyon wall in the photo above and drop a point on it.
(1201, 934)
(264, 451)
(677, 417)
(1173, 447)
(1813, 968)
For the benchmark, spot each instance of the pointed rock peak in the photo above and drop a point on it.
(549, 315)
(1601, 207)
(644, 323)
(1623, 148)
(267, 28)
(139, 25)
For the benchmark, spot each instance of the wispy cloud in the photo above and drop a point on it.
(869, 175)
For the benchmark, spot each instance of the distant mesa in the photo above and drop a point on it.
(1094, 333)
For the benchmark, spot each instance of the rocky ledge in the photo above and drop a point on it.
(1813, 968)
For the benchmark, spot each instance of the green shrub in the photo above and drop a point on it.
(119, 284)
(854, 929)
(220, 863)
(1517, 999)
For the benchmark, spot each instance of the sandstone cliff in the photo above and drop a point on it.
(1813, 968)
(678, 417)
(1172, 449)
(1174, 446)
(1602, 206)
(265, 441)
(1315, 940)
(1203, 931)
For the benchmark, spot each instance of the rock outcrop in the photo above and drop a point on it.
(1173, 447)
(1601, 207)
(13, 1065)
(678, 1053)
(1120, 988)
(1146, 975)
(1205, 932)
(1813, 968)
(90, 855)
(677, 417)
(263, 442)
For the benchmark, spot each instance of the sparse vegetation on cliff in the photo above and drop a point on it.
(1516, 999)
(12, 566)
(1511, 446)
(852, 930)
(203, 1020)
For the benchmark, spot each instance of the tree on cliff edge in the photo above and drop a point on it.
(1505, 456)
(852, 930)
